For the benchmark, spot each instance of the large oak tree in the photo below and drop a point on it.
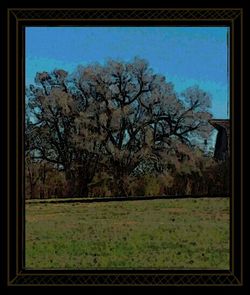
(115, 117)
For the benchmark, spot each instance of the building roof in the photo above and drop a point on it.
(220, 123)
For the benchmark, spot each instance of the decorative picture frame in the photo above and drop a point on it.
(17, 20)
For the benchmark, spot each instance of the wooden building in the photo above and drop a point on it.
(222, 146)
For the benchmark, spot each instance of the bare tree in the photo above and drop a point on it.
(135, 113)
(52, 129)
(113, 117)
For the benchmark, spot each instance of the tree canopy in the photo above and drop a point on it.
(118, 119)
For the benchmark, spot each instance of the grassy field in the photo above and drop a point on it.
(181, 234)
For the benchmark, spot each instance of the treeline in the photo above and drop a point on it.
(117, 129)
(44, 181)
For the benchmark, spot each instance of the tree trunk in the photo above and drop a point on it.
(42, 193)
(120, 185)
(32, 184)
(121, 188)
(43, 177)
(70, 183)
(32, 195)
(82, 190)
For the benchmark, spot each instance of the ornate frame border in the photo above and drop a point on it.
(17, 20)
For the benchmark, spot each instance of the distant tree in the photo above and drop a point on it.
(52, 129)
(31, 177)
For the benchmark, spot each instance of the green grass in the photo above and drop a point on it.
(181, 234)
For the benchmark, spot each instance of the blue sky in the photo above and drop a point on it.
(185, 55)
